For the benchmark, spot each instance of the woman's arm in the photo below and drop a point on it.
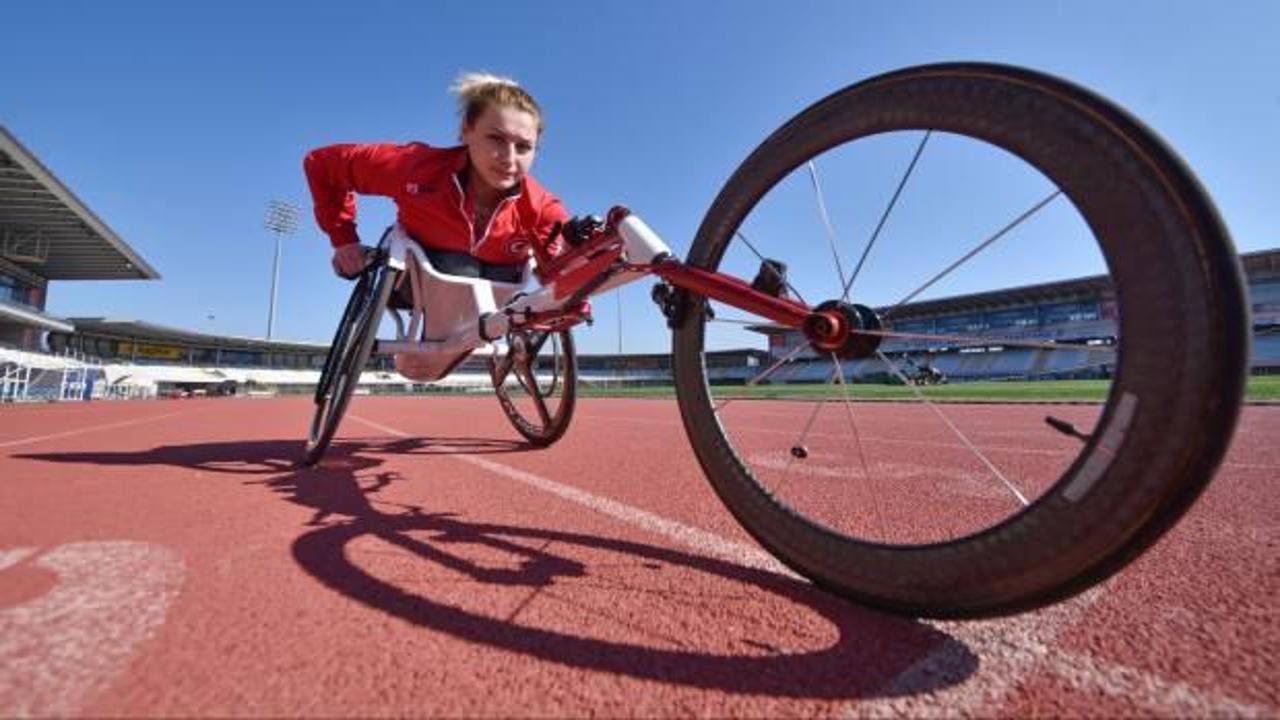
(337, 172)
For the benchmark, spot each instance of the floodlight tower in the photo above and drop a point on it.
(282, 220)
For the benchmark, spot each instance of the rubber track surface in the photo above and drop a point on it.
(167, 559)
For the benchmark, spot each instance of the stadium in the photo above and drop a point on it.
(50, 235)
(1025, 488)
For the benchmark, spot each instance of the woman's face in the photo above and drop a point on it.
(501, 144)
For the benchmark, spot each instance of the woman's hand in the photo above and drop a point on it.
(349, 260)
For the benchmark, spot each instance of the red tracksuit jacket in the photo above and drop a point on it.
(427, 186)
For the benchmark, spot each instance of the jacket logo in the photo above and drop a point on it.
(414, 188)
(518, 246)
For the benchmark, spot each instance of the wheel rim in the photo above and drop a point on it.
(535, 376)
(925, 472)
(347, 356)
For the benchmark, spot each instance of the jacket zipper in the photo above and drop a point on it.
(471, 229)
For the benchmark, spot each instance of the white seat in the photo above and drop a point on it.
(444, 307)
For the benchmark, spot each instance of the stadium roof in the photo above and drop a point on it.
(1263, 263)
(1257, 265)
(151, 332)
(46, 229)
(29, 316)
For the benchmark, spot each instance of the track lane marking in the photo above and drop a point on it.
(13, 556)
(82, 431)
(60, 649)
(1009, 649)
(1175, 698)
(701, 540)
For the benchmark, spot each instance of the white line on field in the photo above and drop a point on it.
(701, 540)
(1008, 650)
(81, 431)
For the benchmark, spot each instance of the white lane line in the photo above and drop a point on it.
(81, 431)
(1177, 699)
(58, 650)
(13, 556)
(1009, 650)
(700, 540)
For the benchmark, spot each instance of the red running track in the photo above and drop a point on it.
(166, 558)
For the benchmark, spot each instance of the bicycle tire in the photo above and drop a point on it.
(1179, 378)
(347, 356)
(553, 426)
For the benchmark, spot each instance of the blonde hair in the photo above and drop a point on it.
(476, 91)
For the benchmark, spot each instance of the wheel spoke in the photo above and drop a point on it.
(790, 287)
(947, 421)
(885, 216)
(772, 368)
(764, 375)
(501, 369)
(979, 248)
(826, 220)
(536, 341)
(555, 364)
(857, 438)
(979, 341)
(531, 385)
(808, 425)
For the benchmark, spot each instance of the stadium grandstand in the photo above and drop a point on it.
(972, 333)
(967, 331)
(48, 234)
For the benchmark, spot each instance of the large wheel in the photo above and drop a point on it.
(352, 344)
(948, 510)
(535, 377)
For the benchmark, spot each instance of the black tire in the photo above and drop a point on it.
(1180, 368)
(541, 402)
(347, 356)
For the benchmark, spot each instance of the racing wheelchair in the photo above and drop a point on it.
(1039, 528)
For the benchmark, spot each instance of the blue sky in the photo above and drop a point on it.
(177, 122)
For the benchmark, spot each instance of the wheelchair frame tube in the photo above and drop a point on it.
(614, 253)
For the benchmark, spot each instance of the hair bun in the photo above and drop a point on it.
(470, 83)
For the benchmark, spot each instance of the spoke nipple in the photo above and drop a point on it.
(799, 452)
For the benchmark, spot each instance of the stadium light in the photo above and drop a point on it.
(282, 220)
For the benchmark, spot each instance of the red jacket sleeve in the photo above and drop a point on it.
(336, 172)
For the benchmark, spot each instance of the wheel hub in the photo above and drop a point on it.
(833, 327)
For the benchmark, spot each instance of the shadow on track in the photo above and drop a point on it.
(868, 652)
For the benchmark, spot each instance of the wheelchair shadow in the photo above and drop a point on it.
(869, 650)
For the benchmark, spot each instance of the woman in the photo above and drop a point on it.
(474, 207)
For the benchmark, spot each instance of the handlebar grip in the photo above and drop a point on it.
(372, 256)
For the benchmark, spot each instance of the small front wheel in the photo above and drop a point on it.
(536, 380)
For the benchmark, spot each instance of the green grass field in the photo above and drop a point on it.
(1260, 388)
